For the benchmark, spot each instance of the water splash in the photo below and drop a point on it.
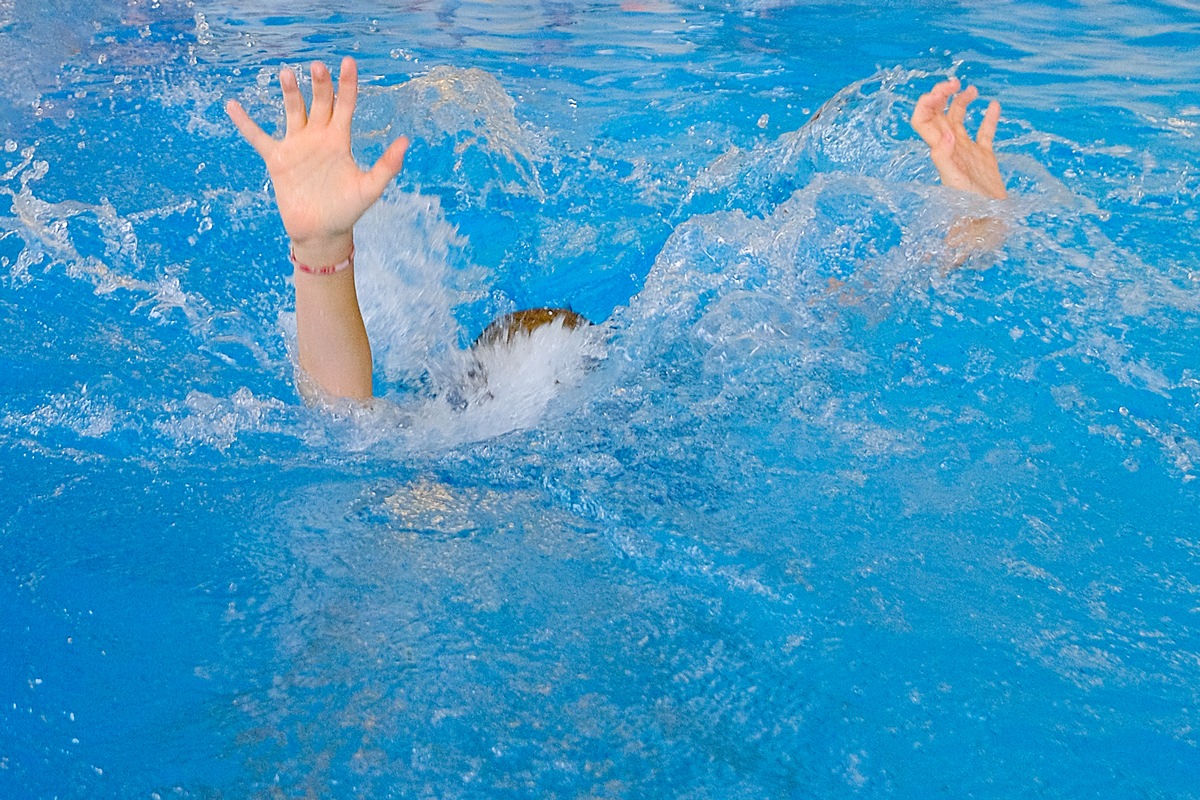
(413, 274)
(467, 114)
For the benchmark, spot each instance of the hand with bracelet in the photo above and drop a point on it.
(321, 193)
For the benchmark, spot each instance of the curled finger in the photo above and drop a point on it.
(933, 102)
(987, 128)
(958, 106)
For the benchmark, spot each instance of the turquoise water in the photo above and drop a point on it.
(825, 518)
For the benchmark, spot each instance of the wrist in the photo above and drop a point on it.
(323, 252)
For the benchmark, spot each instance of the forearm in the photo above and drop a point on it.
(333, 344)
(972, 237)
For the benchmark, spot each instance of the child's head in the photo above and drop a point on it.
(502, 329)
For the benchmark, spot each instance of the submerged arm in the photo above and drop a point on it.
(321, 194)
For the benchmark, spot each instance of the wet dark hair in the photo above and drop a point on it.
(502, 329)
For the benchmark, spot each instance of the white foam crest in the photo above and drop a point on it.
(508, 385)
(466, 395)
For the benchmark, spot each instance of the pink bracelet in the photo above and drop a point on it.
(349, 262)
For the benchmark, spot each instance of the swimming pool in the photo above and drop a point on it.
(826, 520)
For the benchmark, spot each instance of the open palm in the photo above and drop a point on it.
(320, 190)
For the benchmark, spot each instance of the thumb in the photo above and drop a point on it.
(388, 166)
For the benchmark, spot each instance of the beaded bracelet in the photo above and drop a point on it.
(349, 262)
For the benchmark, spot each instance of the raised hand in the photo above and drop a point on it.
(962, 163)
(322, 193)
(320, 190)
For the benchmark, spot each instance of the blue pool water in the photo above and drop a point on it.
(824, 519)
